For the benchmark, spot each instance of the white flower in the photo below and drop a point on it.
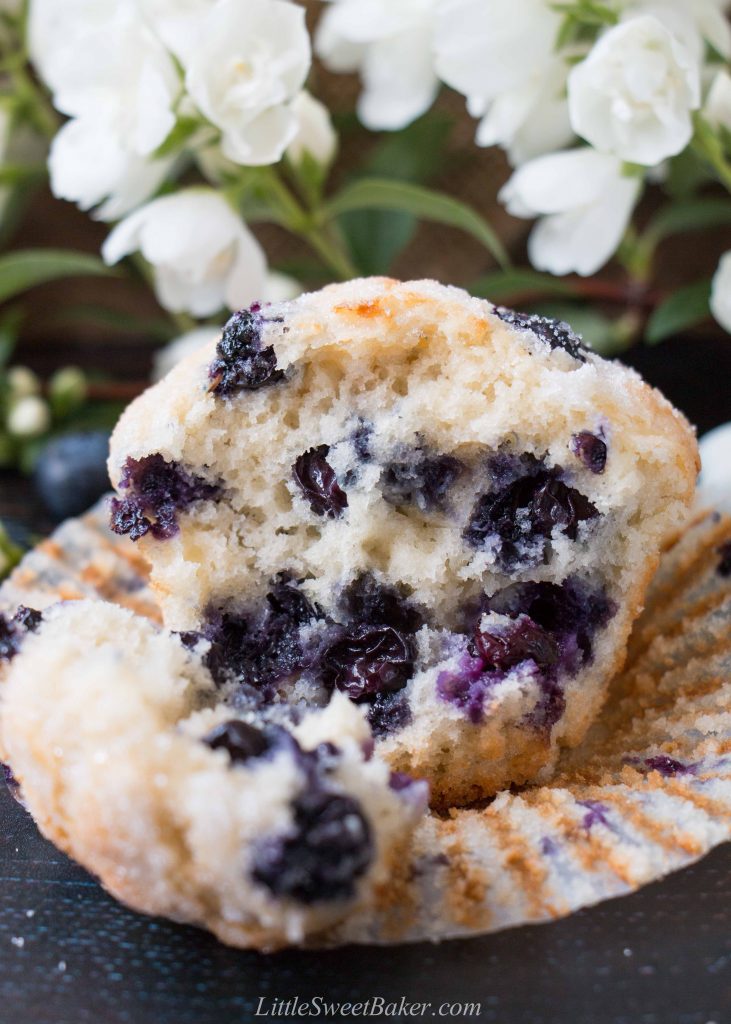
(585, 201)
(633, 95)
(56, 28)
(119, 85)
(89, 163)
(721, 292)
(501, 56)
(315, 132)
(714, 485)
(203, 255)
(529, 120)
(390, 43)
(717, 107)
(249, 64)
(177, 22)
(694, 22)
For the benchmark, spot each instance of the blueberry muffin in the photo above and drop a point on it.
(265, 830)
(445, 510)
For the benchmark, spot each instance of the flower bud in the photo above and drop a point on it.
(22, 382)
(29, 417)
(67, 390)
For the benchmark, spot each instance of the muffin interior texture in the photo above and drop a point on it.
(445, 510)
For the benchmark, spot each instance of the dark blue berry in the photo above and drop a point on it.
(13, 630)
(366, 601)
(571, 612)
(724, 566)
(668, 766)
(523, 515)
(591, 450)
(157, 492)
(503, 647)
(369, 660)
(241, 363)
(71, 472)
(555, 333)
(263, 647)
(329, 848)
(467, 686)
(424, 481)
(389, 713)
(240, 740)
(316, 479)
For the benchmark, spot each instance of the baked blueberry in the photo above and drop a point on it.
(156, 491)
(328, 849)
(316, 479)
(242, 363)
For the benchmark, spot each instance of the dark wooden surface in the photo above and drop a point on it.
(69, 954)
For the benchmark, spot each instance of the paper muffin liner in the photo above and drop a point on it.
(648, 792)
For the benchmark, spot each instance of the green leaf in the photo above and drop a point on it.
(503, 285)
(26, 268)
(116, 320)
(684, 308)
(689, 215)
(415, 154)
(402, 197)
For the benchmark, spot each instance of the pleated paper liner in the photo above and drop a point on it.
(647, 793)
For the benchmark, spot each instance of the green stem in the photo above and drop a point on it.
(333, 254)
(709, 148)
(323, 239)
(37, 104)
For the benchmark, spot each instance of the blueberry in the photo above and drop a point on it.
(369, 660)
(467, 686)
(668, 766)
(724, 566)
(503, 647)
(523, 515)
(555, 333)
(316, 479)
(240, 740)
(157, 491)
(12, 630)
(591, 450)
(241, 363)
(388, 713)
(71, 472)
(263, 647)
(423, 481)
(368, 602)
(571, 612)
(328, 849)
